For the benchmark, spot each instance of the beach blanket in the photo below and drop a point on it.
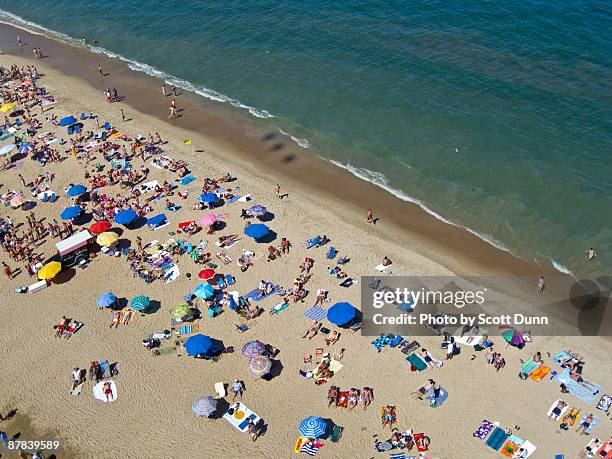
(529, 447)
(483, 430)
(172, 274)
(585, 391)
(280, 307)
(604, 403)
(562, 357)
(605, 450)
(381, 342)
(497, 438)
(98, 392)
(421, 441)
(417, 362)
(593, 424)
(552, 407)
(316, 313)
(187, 180)
(437, 397)
(256, 296)
(539, 373)
(413, 346)
(512, 444)
(77, 390)
(400, 455)
(148, 186)
(240, 416)
(342, 399)
(529, 366)
(310, 448)
(383, 269)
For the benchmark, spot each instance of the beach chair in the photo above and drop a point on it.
(336, 434)
(220, 390)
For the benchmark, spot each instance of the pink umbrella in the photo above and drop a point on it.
(208, 220)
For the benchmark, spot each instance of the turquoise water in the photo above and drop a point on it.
(495, 116)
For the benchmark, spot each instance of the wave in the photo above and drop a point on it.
(562, 269)
(381, 181)
(37, 29)
(302, 142)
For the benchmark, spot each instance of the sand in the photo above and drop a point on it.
(152, 416)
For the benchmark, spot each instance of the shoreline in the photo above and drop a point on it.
(452, 246)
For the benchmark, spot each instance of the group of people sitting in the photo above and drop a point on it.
(67, 328)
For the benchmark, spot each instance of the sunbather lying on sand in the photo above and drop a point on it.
(333, 338)
(312, 330)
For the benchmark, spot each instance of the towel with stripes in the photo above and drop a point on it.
(400, 455)
(309, 448)
(316, 313)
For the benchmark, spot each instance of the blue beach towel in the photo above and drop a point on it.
(381, 342)
(255, 296)
(562, 357)
(331, 253)
(233, 199)
(187, 180)
(8, 136)
(281, 308)
(229, 280)
(316, 313)
(586, 394)
(497, 438)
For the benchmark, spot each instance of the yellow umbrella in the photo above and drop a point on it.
(107, 239)
(50, 270)
(7, 107)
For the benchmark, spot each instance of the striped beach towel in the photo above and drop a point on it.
(316, 313)
(309, 449)
(398, 455)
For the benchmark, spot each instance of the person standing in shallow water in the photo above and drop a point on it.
(591, 254)
(541, 285)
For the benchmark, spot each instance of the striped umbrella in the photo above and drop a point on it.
(140, 303)
(253, 349)
(312, 427)
(259, 366)
(511, 335)
(204, 406)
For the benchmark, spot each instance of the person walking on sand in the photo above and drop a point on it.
(172, 112)
(541, 285)
(19, 42)
(7, 270)
(122, 116)
(174, 91)
(370, 216)
(277, 191)
(591, 254)
(100, 69)
(237, 389)
(164, 90)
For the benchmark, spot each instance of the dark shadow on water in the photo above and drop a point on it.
(277, 147)
(268, 136)
(288, 158)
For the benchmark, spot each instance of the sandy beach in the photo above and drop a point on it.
(152, 415)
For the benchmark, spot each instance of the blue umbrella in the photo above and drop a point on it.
(67, 121)
(341, 313)
(106, 299)
(71, 212)
(257, 230)
(312, 427)
(76, 190)
(258, 210)
(205, 291)
(204, 406)
(199, 344)
(209, 197)
(125, 217)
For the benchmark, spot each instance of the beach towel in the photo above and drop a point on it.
(98, 392)
(497, 438)
(316, 313)
(511, 446)
(256, 296)
(417, 362)
(593, 424)
(562, 357)
(539, 373)
(529, 447)
(413, 346)
(220, 389)
(309, 448)
(187, 180)
(398, 455)
(239, 416)
(529, 366)
(381, 342)
(383, 269)
(335, 366)
(553, 406)
(279, 308)
(171, 274)
(331, 253)
(421, 441)
(585, 391)
(105, 368)
(342, 399)
(605, 450)
(77, 390)
(604, 403)
(483, 430)
(437, 397)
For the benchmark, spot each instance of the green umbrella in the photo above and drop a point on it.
(180, 311)
(140, 303)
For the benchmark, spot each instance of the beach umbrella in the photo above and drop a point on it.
(511, 335)
(257, 230)
(106, 300)
(7, 148)
(204, 291)
(125, 217)
(100, 227)
(258, 210)
(341, 313)
(312, 427)
(209, 197)
(253, 348)
(180, 311)
(25, 149)
(259, 366)
(67, 121)
(199, 344)
(208, 220)
(7, 107)
(76, 190)
(140, 303)
(206, 273)
(71, 212)
(107, 239)
(204, 406)
(49, 271)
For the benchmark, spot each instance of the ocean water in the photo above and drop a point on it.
(495, 116)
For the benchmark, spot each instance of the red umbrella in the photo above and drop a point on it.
(100, 227)
(206, 273)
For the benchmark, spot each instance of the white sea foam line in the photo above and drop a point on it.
(203, 91)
